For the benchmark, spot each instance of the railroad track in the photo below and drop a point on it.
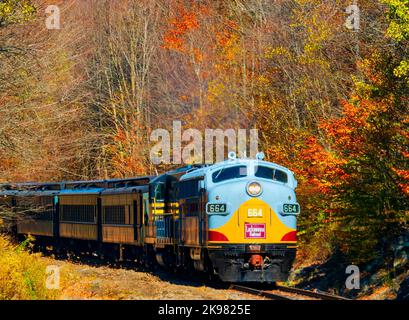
(295, 293)
(262, 293)
(312, 294)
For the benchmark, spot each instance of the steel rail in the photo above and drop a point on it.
(275, 296)
(308, 293)
(261, 293)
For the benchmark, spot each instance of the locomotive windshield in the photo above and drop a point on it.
(229, 173)
(270, 173)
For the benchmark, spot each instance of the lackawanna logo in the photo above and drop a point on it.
(255, 230)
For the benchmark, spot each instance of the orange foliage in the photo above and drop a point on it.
(321, 167)
(127, 152)
(181, 26)
(404, 175)
(320, 161)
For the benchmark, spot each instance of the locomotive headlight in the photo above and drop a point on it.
(254, 189)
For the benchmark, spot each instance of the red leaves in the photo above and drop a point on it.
(321, 167)
(174, 38)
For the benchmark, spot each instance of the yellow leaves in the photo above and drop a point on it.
(399, 19)
(15, 11)
(402, 70)
(362, 88)
(395, 31)
(318, 32)
(270, 52)
(311, 56)
(22, 275)
(215, 90)
(263, 80)
(316, 20)
(229, 43)
(5, 9)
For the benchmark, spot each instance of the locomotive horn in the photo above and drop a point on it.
(260, 156)
(232, 155)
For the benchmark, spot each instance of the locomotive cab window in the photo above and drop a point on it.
(189, 189)
(157, 191)
(229, 173)
(270, 173)
(146, 208)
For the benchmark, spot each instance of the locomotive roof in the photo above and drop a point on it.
(33, 193)
(179, 172)
(122, 185)
(125, 190)
(81, 186)
(81, 191)
(204, 170)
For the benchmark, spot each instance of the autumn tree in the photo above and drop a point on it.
(362, 164)
(44, 134)
(124, 42)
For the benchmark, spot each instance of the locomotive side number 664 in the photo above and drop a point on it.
(216, 208)
(291, 208)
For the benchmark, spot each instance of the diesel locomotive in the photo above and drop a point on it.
(235, 219)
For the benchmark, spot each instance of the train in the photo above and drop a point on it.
(236, 219)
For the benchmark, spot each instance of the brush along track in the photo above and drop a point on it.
(289, 293)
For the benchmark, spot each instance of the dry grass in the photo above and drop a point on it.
(84, 282)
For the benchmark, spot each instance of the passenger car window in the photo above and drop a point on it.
(270, 173)
(229, 173)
